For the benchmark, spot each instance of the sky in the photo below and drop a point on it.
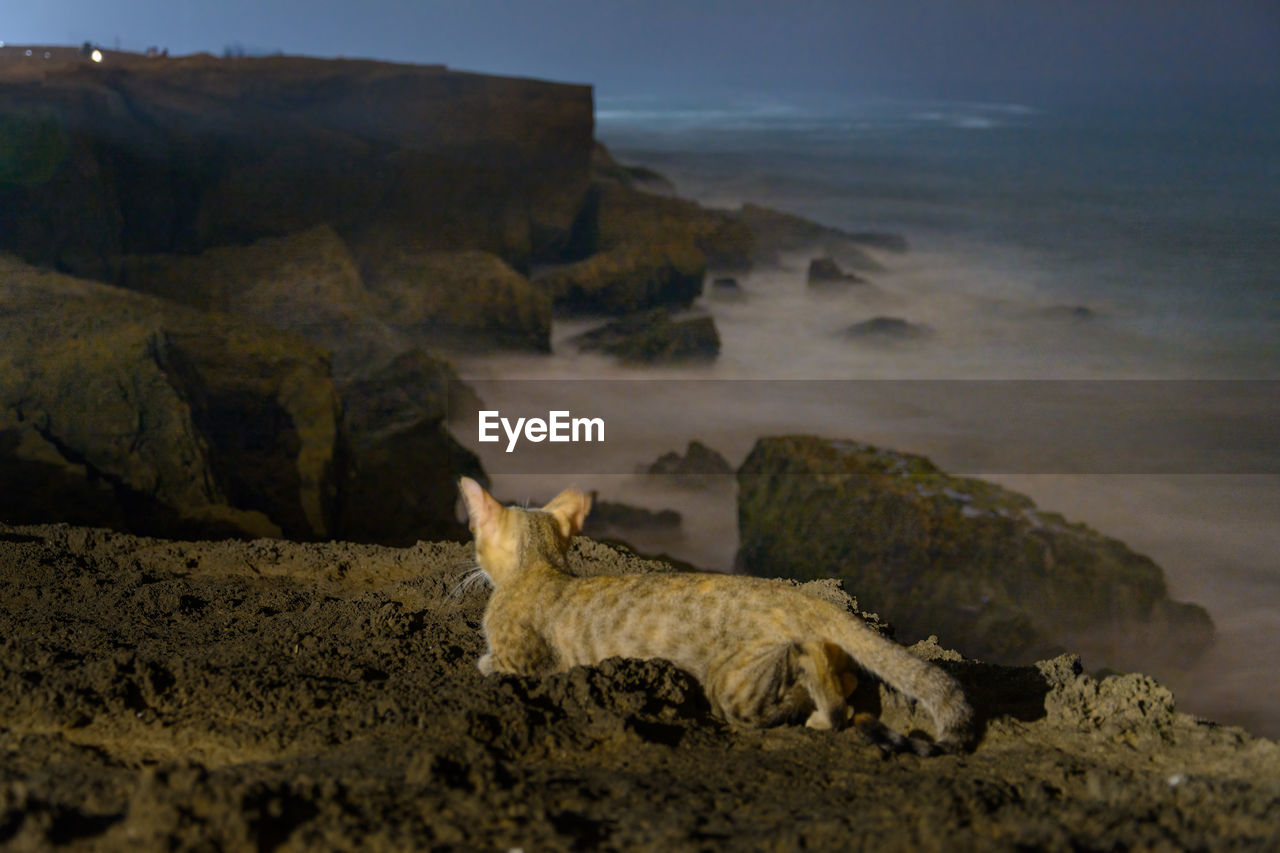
(974, 48)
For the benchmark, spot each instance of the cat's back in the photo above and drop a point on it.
(689, 619)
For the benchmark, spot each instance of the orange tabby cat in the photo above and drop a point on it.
(764, 651)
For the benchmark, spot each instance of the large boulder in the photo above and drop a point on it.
(628, 216)
(629, 278)
(141, 156)
(825, 271)
(654, 337)
(641, 250)
(461, 298)
(401, 479)
(309, 283)
(306, 283)
(965, 559)
(151, 417)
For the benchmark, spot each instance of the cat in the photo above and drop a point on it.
(763, 651)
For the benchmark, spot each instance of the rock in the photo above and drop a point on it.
(1075, 313)
(698, 460)
(155, 418)
(631, 278)
(306, 283)
(414, 386)
(642, 251)
(652, 337)
(610, 517)
(605, 169)
(826, 271)
(975, 564)
(727, 289)
(887, 330)
(628, 217)
(775, 232)
(467, 299)
(309, 283)
(181, 155)
(401, 482)
(402, 487)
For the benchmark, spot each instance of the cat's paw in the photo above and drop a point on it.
(820, 721)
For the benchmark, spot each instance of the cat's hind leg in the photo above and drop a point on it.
(782, 682)
(826, 674)
(756, 687)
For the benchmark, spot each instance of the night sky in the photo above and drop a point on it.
(930, 47)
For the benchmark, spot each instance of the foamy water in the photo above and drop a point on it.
(996, 310)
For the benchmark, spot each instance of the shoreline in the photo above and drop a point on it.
(1153, 512)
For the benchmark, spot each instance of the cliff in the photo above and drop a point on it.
(143, 155)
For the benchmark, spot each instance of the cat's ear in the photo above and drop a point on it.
(482, 508)
(570, 508)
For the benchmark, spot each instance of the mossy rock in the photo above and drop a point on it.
(401, 479)
(629, 278)
(653, 337)
(306, 283)
(468, 298)
(196, 424)
(974, 563)
(632, 217)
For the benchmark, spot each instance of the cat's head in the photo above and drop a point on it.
(509, 538)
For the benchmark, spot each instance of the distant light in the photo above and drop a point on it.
(47, 54)
(96, 56)
(28, 53)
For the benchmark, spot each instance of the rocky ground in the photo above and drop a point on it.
(160, 694)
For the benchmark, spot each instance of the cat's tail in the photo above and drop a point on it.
(894, 665)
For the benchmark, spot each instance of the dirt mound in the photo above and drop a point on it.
(265, 693)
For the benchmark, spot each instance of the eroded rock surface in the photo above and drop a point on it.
(140, 413)
(140, 156)
(654, 337)
(965, 559)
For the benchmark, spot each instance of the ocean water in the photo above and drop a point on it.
(1161, 218)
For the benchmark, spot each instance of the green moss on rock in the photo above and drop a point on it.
(159, 419)
(467, 297)
(965, 559)
(629, 278)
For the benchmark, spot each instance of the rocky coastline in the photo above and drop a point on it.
(230, 556)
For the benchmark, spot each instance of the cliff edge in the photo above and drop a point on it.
(143, 155)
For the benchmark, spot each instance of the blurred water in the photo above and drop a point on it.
(1162, 220)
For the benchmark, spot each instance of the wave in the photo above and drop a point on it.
(808, 115)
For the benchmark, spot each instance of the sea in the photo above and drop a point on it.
(1097, 280)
